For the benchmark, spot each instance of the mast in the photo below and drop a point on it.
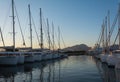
(119, 24)
(106, 35)
(58, 38)
(109, 30)
(41, 31)
(103, 27)
(30, 27)
(48, 34)
(2, 37)
(13, 22)
(53, 35)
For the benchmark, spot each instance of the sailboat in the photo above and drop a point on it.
(7, 57)
(29, 56)
(113, 59)
(104, 55)
(38, 55)
(47, 55)
(60, 54)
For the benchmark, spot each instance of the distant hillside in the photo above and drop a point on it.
(81, 47)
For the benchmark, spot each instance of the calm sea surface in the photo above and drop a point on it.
(71, 69)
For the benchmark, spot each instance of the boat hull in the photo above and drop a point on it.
(37, 57)
(8, 60)
(29, 58)
(103, 58)
(21, 59)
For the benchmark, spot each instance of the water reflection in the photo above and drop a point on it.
(108, 74)
(31, 72)
(73, 69)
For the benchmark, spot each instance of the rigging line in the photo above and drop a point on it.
(100, 36)
(53, 36)
(26, 27)
(63, 40)
(20, 27)
(55, 47)
(113, 26)
(56, 39)
(49, 42)
(54, 44)
(36, 31)
(45, 30)
(116, 37)
(2, 37)
(48, 32)
(5, 21)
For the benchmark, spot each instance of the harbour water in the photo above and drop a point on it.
(71, 69)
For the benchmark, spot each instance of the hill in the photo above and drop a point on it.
(81, 47)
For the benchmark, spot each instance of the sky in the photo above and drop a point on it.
(79, 20)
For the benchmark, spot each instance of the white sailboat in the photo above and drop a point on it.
(114, 59)
(21, 58)
(10, 58)
(38, 55)
(29, 56)
(106, 55)
(117, 65)
(48, 54)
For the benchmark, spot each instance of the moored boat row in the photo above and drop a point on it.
(14, 58)
(110, 53)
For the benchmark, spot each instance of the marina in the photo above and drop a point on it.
(34, 48)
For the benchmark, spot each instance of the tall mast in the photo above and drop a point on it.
(109, 29)
(13, 22)
(41, 31)
(106, 35)
(58, 37)
(48, 34)
(103, 28)
(119, 24)
(2, 37)
(30, 26)
(53, 35)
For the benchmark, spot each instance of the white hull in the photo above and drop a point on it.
(37, 57)
(63, 55)
(29, 57)
(103, 58)
(97, 56)
(117, 65)
(21, 59)
(49, 56)
(55, 56)
(43, 57)
(46, 56)
(111, 60)
(8, 60)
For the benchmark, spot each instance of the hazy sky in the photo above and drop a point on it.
(79, 20)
